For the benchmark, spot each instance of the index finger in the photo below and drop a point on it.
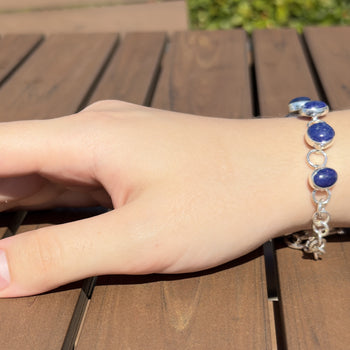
(49, 147)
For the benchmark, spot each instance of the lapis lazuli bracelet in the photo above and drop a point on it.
(319, 136)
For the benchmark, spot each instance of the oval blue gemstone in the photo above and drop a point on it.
(324, 177)
(315, 104)
(314, 109)
(297, 104)
(300, 99)
(321, 132)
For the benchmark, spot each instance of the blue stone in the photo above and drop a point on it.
(314, 109)
(324, 177)
(300, 99)
(315, 104)
(321, 132)
(297, 104)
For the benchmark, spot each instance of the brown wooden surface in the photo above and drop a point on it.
(212, 310)
(315, 296)
(174, 312)
(202, 73)
(216, 72)
(282, 70)
(132, 72)
(56, 78)
(13, 50)
(330, 52)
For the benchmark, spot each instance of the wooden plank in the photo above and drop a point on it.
(195, 311)
(205, 59)
(10, 222)
(314, 297)
(53, 81)
(215, 309)
(56, 78)
(118, 82)
(330, 52)
(13, 50)
(282, 70)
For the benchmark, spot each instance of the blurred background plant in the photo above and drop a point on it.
(258, 14)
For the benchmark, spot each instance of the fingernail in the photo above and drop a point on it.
(4, 271)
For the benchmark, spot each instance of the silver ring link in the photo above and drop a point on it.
(321, 216)
(322, 201)
(317, 151)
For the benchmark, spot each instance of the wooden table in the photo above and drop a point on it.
(222, 74)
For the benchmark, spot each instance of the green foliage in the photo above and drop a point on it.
(256, 14)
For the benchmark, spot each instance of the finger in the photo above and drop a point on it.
(41, 260)
(48, 147)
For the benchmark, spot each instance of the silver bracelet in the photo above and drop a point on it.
(319, 136)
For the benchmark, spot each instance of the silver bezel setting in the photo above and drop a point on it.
(318, 145)
(314, 112)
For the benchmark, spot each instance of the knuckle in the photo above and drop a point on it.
(104, 105)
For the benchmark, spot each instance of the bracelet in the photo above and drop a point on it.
(319, 136)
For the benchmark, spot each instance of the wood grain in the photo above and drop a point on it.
(56, 78)
(133, 70)
(282, 71)
(215, 309)
(330, 51)
(13, 50)
(314, 296)
(205, 59)
(209, 310)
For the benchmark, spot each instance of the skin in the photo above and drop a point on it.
(186, 192)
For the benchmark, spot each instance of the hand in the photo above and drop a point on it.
(183, 189)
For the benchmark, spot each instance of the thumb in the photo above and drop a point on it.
(41, 260)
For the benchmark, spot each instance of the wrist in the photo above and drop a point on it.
(273, 152)
(272, 156)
